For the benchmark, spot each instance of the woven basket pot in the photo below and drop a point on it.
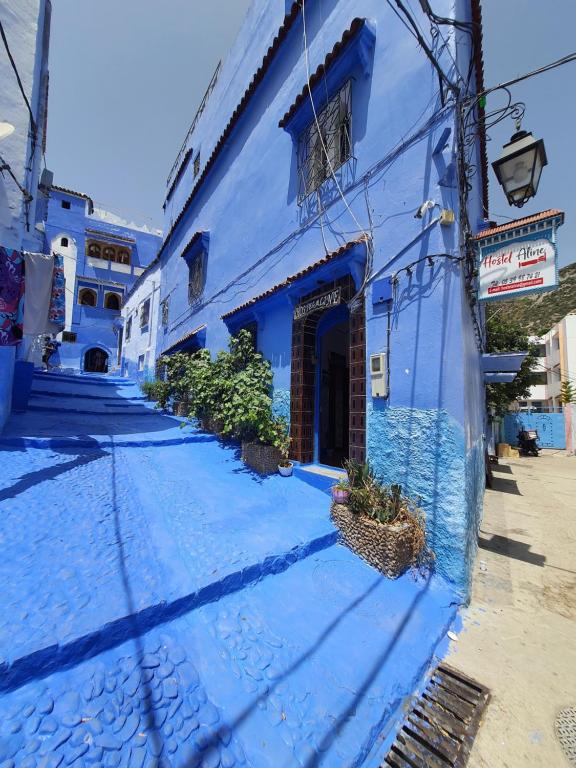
(386, 547)
(263, 459)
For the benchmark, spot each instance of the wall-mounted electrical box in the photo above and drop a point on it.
(379, 374)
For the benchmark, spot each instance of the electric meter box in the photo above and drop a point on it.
(379, 374)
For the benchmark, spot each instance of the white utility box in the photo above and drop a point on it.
(379, 374)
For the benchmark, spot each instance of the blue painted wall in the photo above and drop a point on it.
(94, 326)
(428, 434)
(551, 428)
(26, 24)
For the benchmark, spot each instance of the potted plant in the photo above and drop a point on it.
(283, 440)
(380, 523)
(341, 492)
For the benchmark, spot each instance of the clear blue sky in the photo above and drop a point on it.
(126, 78)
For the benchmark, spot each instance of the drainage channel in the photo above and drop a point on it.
(441, 726)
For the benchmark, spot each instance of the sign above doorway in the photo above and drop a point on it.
(324, 301)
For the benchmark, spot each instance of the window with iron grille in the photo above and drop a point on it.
(327, 142)
(195, 278)
(164, 311)
(145, 313)
(69, 337)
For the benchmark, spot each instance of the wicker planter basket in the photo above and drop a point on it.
(263, 459)
(386, 547)
(210, 424)
(180, 409)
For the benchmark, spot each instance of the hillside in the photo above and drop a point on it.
(538, 313)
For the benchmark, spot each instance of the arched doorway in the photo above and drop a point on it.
(96, 361)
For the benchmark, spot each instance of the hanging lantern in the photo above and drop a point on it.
(519, 167)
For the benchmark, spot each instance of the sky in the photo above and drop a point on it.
(127, 76)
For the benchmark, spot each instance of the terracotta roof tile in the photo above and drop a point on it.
(354, 28)
(184, 338)
(548, 214)
(477, 37)
(75, 194)
(293, 278)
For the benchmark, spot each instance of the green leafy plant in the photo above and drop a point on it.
(342, 485)
(157, 390)
(567, 393)
(504, 333)
(233, 391)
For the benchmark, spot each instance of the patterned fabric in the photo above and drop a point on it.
(11, 297)
(56, 313)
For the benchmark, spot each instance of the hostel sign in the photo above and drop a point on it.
(518, 266)
(324, 301)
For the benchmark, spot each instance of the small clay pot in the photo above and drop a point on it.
(340, 496)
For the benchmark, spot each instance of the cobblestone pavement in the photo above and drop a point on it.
(163, 606)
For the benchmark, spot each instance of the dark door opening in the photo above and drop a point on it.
(96, 361)
(334, 395)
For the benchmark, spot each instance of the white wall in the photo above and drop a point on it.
(69, 253)
(142, 341)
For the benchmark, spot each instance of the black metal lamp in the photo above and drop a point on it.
(519, 167)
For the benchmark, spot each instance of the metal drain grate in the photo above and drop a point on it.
(440, 728)
(565, 727)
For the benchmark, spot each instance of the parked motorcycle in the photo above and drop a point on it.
(528, 442)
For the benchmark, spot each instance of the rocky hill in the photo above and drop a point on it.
(539, 312)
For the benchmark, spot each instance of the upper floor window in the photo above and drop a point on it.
(195, 277)
(87, 297)
(129, 328)
(112, 301)
(145, 314)
(64, 242)
(326, 143)
(65, 204)
(119, 254)
(164, 311)
(538, 378)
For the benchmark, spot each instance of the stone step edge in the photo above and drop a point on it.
(79, 379)
(52, 393)
(94, 443)
(86, 412)
(39, 664)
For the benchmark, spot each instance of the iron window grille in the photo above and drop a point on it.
(326, 144)
(196, 278)
(145, 314)
(164, 312)
(69, 337)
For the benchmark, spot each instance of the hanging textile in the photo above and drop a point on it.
(57, 309)
(39, 275)
(11, 297)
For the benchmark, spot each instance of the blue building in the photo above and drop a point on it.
(23, 118)
(103, 257)
(324, 200)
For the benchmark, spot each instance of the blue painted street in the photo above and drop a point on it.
(164, 606)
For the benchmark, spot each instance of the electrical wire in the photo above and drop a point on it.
(15, 68)
(5, 167)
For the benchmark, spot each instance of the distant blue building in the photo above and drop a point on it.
(324, 199)
(103, 257)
